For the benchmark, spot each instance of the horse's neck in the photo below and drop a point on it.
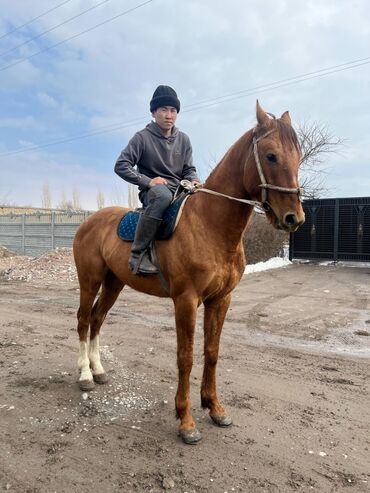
(228, 218)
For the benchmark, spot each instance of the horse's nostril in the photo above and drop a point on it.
(291, 220)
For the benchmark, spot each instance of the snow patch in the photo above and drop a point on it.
(272, 263)
(346, 263)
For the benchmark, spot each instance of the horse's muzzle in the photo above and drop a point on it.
(291, 222)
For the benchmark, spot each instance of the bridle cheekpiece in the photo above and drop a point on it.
(264, 185)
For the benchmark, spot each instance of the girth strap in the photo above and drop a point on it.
(155, 261)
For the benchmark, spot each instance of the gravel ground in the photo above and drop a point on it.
(52, 266)
(293, 373)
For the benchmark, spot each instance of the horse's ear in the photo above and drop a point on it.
(262, 116)
(285, 117)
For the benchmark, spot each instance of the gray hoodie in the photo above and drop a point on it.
(156, 155)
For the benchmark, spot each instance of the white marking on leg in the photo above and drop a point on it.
(94, 355)
(84, 363)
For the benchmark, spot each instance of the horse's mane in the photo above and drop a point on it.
(288, 135)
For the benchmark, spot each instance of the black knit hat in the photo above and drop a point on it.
(164, 96)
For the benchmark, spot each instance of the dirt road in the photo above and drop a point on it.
(293, 372)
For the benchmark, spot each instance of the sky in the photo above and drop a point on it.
(71, 99)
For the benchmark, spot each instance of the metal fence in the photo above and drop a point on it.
(335, 229)
(36, 234)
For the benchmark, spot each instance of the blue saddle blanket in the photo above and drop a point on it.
(127, 225)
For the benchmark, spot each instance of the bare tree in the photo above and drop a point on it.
(117, 196)
(64, 203)
(76, 200)
(46, 196)
(133, 201)
(316, 143)
(100, 199)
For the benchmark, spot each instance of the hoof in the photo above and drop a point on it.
(101, 378)
(222, 420)
(86, 385)
(190, 437)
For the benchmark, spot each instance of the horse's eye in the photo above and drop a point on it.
(271, 157)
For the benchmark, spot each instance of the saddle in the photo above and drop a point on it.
(127, 225)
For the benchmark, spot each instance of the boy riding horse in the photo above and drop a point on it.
(162, 155)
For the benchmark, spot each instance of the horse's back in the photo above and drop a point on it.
(97, 230)
(100, 222)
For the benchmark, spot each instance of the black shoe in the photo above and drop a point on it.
(139, 262)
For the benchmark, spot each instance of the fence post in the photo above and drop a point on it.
(23, 234)
(52, 230)
(336, 230)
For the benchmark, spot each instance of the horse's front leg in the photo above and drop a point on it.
(214, 316)
(185, 313)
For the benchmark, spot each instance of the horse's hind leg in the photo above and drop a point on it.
(111, 288)
(214, 316)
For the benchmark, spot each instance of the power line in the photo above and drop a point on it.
(207, 103)
(53, 28)
(34, 19)
(102, 130)
(315, 73)
(276, 85)
(5, 67)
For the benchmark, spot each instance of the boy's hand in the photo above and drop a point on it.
(158, 180)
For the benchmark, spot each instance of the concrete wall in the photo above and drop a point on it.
(36, 234)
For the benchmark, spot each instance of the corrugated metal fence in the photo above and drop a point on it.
(36, 234)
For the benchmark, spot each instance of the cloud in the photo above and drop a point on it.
(25, 143)
(14, 122)
(63, 173)
(47, 100)
(204, 50)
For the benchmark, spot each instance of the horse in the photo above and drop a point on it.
(201, 263)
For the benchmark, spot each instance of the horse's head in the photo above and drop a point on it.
(271, 174)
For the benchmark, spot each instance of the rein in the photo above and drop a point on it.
(213, 192)
(263, 204)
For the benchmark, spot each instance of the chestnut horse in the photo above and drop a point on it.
(202, 262)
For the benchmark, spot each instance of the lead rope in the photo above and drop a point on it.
(259, 205)
(255, 203)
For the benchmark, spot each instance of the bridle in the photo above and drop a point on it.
(264, 185)
(263, 204)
